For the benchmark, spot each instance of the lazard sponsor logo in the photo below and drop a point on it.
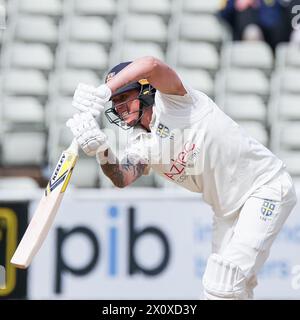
(179, 164)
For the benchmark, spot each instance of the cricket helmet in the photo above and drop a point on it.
(146, 97)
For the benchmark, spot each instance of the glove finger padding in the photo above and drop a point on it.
(86, 88)
(89, 98)
(87, 133)
(83, 108)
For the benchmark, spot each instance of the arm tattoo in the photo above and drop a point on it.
(135, 169)
(122, 174)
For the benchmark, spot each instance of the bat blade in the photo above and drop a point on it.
(45, 213)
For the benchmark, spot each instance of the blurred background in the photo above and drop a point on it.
(150, 240)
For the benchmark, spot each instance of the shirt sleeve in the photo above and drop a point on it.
(192, 102)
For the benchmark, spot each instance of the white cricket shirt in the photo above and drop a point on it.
(195, 144)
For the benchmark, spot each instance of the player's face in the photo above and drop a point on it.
(127, 106)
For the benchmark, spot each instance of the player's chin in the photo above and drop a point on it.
(131, 121)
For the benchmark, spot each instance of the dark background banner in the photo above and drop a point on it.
(13, 222)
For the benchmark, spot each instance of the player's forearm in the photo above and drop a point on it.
(122, 174)
(159, 75)
(139, 69)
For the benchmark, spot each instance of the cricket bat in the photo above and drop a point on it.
(46, 211)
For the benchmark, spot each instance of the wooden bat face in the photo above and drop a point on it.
(47, 209)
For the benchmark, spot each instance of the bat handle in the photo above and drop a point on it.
(73, 148)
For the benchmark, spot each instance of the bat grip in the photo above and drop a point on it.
(73, 148)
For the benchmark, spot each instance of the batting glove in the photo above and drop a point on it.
(89, 98)
(87, 133)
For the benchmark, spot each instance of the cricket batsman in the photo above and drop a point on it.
(183, 136)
